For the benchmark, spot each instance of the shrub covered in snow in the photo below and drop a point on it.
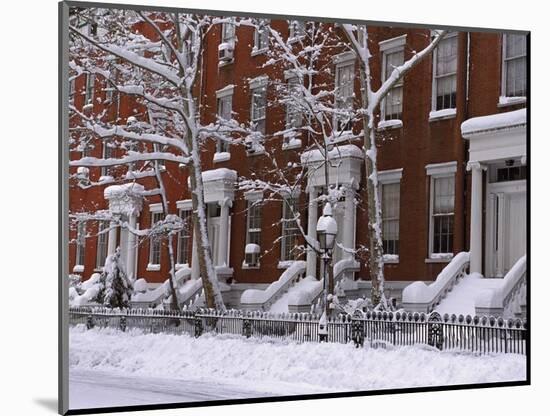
(118, 289)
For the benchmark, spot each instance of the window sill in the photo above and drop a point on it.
(78, 268)
(256, 152)
(391, 259)
(153, 267)
(508, 101)
(442, 114)
(389, 125)
(221, 157)
(180, 266)
(221, 64)
(439, 259)
(246, 266)
(256, 52)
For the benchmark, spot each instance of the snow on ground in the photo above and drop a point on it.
(304, 287)
(461, 299)
(268, 366)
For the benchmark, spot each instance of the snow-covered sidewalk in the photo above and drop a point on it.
(281, 367)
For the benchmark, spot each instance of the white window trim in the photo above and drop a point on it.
(101, 234)
(253, 195)
(438, 170)
(444, 113)
(185, 204)
(388, 177)
(156, 208)
(258, 82)
(255, 50)
(225, 91)
(441, 169)
(292, 37)
(393, 44)
(342, 60)
(79, 268)
(505, 100)
(285, 207)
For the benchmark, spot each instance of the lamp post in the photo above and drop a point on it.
(326, 234)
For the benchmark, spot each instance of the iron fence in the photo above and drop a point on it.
(480, 335)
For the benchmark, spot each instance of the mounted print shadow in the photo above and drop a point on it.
(266, 208)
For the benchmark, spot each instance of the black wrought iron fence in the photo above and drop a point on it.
(476, 334)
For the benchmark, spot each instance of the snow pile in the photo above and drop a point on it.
(419, 292)
(302, 293)
(255, 296)
(221, 174)
(494, 297)
(324, 366)
(494, 122)
(461, 300)
(89, 291)
(120, 191)
(316, 155)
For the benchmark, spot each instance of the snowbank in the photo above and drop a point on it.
(326, 366)
(494, 122)
(255, 296)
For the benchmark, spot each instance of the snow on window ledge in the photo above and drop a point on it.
(153, 267)
(506, 101)
(391, 258)
(256, 51)
(221, 157)
(256, 150)
(246, 266)
(78, 268)
(442, 114)
(180, 266)
(439, 258)
(389, 124)
(293, 143)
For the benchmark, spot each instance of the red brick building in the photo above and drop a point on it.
(446, 186)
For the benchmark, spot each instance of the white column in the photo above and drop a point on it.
(311, 260)
(349, 223)
(195, 270)
(500, 239)
(224, 233)
(131, 248)
(476, 217)
(111, 243)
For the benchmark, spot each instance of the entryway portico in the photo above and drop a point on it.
(497, 160)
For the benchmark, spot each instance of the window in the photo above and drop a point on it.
(224, 112)
(80, 243)
(228, 32)
(514, 65)
(392, 107)
(184, 236)
(261, 36)
(89, 92)
(345, 74)
(294, 118)
(296, 29)
(442, 215)
(155, 241)
(107, 154)
(258, 108)
(102, 239)
(289, 238)
(253, 231)
(445, 68)
(390, 217)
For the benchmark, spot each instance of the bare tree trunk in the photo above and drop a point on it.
(376, 259)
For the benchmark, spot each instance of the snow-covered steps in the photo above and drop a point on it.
(299, 294)
(254, 299)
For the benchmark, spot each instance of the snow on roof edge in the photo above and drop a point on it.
(494, 122)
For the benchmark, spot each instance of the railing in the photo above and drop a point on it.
(479, 335)
(500, 301)
(419, 297)
(254, 299)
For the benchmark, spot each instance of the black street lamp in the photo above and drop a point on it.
(327, 228)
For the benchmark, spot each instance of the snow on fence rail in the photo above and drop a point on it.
(450, 332)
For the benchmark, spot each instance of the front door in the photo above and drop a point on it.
(506, 212)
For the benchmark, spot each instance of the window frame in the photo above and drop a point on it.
(261, 37)
(89, 89)
(224, 95)
(390, 177)
(293, 34)
(185, 236)
(288, 232)
(155, 245)
(440, 171)
(102, 244)
(342, 61)
(435, 54)
(254, 204)
(503, 89)
(80, 254)
(389, 47)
